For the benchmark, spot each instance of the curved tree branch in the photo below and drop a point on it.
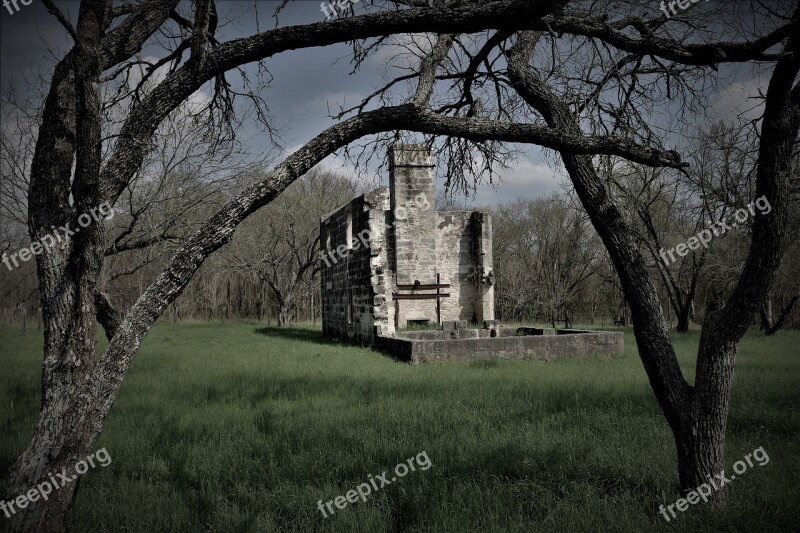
(687, 54)
(133, 141)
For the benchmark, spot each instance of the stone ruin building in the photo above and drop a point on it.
(390, 260)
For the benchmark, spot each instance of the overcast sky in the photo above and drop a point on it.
(307, 83)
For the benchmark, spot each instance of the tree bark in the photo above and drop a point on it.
(700, 439)
(682, 315)
(284, 317)
(64, 434)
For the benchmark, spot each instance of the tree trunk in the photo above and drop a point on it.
(285, 310)
(66, 429)
(64, 436)
(700, 439)
(701, 459)
(765, 313)
(682, 315)
(772, 329)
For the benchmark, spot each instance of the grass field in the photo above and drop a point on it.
(238, 427)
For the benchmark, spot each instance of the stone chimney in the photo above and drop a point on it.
(411, 185)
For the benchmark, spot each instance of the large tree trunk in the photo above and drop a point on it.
(697, 415)
(700, 440)
(682, 315)
(65, 432)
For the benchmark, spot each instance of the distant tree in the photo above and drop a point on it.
(663, 212)
(544, 251)
(280, 244)
(449, 200)
(787, 287)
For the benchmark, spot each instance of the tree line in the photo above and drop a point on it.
(550, 265)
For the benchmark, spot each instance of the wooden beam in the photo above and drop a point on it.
(424, 287)
(418, 296)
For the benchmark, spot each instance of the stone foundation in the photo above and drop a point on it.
(507, 343)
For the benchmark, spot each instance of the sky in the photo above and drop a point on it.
(307, 84)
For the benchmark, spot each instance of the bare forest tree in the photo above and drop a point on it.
(544, 250)
(493, 74)
(662, 212)
(786, 289)
(284, 252)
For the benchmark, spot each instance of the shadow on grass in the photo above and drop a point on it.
(316, 337)
(295, 334)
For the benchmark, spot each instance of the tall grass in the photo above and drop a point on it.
(238, 427)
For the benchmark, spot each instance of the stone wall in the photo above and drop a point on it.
(353, 259)
(414, 229)
(540, 347)
(455, 238)
(412, 232)
(409, 247)
(463, 239)
(484, 259)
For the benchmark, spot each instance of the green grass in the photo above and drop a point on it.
(237, 427)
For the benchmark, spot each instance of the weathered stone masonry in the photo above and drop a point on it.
(413, 264)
